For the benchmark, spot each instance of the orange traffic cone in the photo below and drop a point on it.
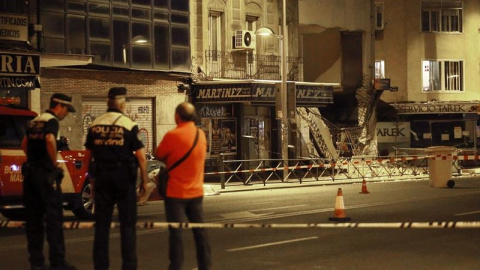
(364, 187)
(339, 208)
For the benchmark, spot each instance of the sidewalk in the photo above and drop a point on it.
(212, 188)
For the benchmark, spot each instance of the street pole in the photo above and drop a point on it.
(283, 94)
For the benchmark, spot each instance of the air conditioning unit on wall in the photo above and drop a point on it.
(245, 39)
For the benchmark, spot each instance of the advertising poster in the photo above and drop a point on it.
(228, 136)
(205, 126)
(255, 132)
(223, 137)
(216, 140)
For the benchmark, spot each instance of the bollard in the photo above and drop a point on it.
(221, 165)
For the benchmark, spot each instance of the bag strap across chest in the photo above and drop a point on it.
(186, 155)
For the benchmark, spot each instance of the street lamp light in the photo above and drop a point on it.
(265, 31)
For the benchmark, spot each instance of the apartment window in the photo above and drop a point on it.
(143, 34)
(215, 27)
(442, 75)
(251, 23)
(443, 16)
(14, 6)
(379, 16)
(379, 69)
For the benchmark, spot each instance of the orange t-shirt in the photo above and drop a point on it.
(185, 180)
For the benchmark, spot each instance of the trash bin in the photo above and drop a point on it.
(440, 160)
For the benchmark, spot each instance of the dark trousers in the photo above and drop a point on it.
(43, 213)
(115, 185)
(183, 210)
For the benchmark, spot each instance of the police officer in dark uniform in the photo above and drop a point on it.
(41, 185)
(115, 152)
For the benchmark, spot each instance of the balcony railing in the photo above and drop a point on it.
(248, 65)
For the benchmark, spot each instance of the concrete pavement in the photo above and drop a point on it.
(214, 188)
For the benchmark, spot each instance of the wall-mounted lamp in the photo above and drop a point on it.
(139, 40)
(266, 31)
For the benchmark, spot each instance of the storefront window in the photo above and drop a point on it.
(456, 133)
(180, 5)
(161, 46)
(121, 50)
(180, 58)
(99, 9)
(99, 29)
(144, 14)
(83, 27)
(54, 32)
(160, 3)
(141, 2)
(14, 6)
(76, 30)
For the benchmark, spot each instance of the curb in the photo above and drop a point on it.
(311, 182)
(305, 183)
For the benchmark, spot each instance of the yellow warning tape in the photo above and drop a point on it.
(186, 225)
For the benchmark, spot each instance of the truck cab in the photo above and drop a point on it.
(75, 184)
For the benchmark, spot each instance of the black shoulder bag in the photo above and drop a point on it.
(162, 177)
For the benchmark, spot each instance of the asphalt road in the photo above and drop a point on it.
(305, 248)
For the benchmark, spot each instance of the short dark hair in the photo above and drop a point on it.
(186, 111)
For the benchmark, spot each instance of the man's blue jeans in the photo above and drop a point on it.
(187, 210)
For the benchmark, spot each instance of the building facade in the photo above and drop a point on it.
(84, 47)
(168, 51)
(428, 49)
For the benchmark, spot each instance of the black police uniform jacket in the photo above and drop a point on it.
(38, 128)
(113, 137)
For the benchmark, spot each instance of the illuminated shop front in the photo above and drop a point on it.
(239, 117)
(421, 125)
(18, 74)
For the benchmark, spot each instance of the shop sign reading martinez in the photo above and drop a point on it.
(259, 92)
(18, 70)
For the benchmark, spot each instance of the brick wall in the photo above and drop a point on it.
(80, 83)
(97, 82)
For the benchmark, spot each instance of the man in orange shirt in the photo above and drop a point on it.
(184, 200)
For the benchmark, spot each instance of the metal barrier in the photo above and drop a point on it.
(357, 167)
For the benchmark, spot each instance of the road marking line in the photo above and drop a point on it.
(468, 213)
(240, 214)
(272, 244)
(276, 208)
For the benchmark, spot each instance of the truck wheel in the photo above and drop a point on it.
(13, 214)
(450, 183)
(83, 205)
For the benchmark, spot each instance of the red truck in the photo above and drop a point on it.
(75, 184)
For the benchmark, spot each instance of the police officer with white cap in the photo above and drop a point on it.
(41, 186)
(115, 152)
